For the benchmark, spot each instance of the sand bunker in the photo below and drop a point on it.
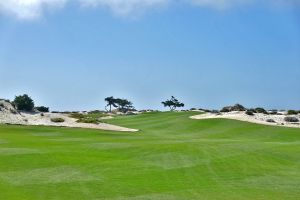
(257, 118)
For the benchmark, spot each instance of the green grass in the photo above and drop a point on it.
(172, 157)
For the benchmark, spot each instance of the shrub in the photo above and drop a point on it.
(273, 112)
(292, 112)
(261, 110)
(42, 109)
(291, 119)
(249, 112)
(66, 112)
(91, 118)
(88, 120)
(1, 105)
(76, 115)
(236, 107)
(193, 109)
(270, 120)
(225, 109)
(215, 112)
(252, 110)
(23, 102)
(205, 110)
(95, 112)
(57, 120)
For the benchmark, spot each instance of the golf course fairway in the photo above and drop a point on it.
(172, 157)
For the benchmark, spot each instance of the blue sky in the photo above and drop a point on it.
(70, 55)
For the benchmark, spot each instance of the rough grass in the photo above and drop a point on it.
(171, 158)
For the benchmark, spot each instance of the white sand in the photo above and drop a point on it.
(257, 118)
(24, 118)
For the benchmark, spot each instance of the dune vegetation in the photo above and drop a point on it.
(171, 157)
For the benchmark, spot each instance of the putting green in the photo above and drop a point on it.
(171, 158)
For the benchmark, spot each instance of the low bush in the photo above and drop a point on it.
(236, 107)
(249, 112)
(88, 121)
(270, 120)
(273, 112)
(215, 112)
(1, 105)
(76, 115)
(205, 110)
(57, 120)
(291, 119)
(193, 109)
(292, 112)
(261, 110)
(66, 112)
(225, 109)
(97, 115)
(252, 110)
(92, 117)
(95, 112)
(42, 109)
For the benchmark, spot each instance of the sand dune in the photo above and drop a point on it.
(8, 115)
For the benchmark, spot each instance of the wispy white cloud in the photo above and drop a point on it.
(225, 4)
(28, 9)
(125, 7)
(32, 9)
(219, 4)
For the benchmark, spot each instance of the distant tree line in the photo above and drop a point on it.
(26, 103)
(124, 105)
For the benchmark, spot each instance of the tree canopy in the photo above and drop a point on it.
(111, 101)
(172, 103)
(123, 105)
(23, 102)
